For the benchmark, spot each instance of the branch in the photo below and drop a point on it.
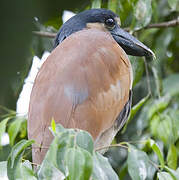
(44, 34)
(35, 164)
(171, 23)
(166, 24)
(112, 145)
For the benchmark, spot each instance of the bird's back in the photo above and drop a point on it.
(83, 84)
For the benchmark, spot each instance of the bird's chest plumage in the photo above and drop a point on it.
(85, 86)
(94, 85)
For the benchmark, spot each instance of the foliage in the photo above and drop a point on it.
(148, 145)
(70, 156)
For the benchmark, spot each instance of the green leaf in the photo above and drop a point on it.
(158, 152)
(68, 152)
(88, 167)
(59, 129)
(79, 163)
(177, 171)
(173, 173)
(158, 105)
(154, 123)
(174, 4)
(102, 169)
(113, 5)
(14, 129)
(65, 141)
(137, 68)
(155, 13)
(124, 9)
(171, 85)
(23, 129)
(3, 170)
(96, 4)
(143, 118)
(26, 171)
(17, 149)
(53, 125)
(49, 170)
(3, 128)
(174, 116)
(134, 110)
(142, 14)
(158, 81)
(84, 140)
(53, 164)
(151, 108)
(165, 132)
(138, 164)
(4, 152)
(172, 157)
(15, 158)
(165, 126)
(164, 176)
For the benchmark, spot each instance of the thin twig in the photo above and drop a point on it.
(134, 142)
(166, 24)
(35, 164)
(40, 147)
(7, 110)
(112, 145)
(171, 23)
(155, 165)
(44, 34)
(148, 77)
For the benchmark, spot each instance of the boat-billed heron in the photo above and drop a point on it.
(86, 81)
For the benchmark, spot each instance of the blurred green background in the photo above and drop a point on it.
(155, 117)
(17, 23)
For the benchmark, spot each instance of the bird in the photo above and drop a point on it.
(86, 82)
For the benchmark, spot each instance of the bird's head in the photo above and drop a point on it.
(104, 20)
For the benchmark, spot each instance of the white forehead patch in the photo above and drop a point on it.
(97, 25)
(118, 21)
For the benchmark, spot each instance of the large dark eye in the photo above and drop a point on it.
(110, 22)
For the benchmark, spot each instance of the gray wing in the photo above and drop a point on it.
(124, 114)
